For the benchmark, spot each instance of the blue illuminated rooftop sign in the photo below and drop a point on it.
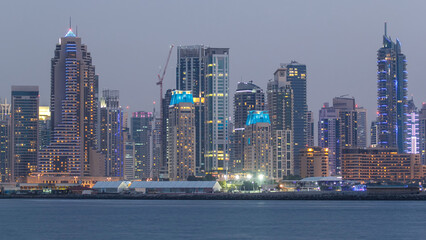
(181, 97)
(257, 117)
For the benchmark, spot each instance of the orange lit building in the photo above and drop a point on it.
(314, 162)
(374, 164)
(65, 178)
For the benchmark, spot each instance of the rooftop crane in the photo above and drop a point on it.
(161, 78)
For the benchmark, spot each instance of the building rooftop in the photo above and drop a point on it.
(114, 184)
(181, 97)
(70, 33)
(322, 179)
(258, 117)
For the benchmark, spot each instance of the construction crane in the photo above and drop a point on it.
(161, 78)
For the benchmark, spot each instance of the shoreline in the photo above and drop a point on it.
(319, 196)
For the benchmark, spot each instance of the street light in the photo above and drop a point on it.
(260, 177)
(249, 176)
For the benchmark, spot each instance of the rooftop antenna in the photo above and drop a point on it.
(386, 29)
(70, 22)
(76, 30)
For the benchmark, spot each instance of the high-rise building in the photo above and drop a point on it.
(413, 132)
(296, 76)
(217, 109)
(257, 143)
(374, 135)
(181, 136)
(129, 155)
(141, 125)
(111, 133)
(190, 76)
(329, 135)
(280, 107)
(422, 133)
(164, 131)
(314, 162)
(74, 112)
(310, 129)
(5, 142)
(44, 126)
(24, 130)
(391, 95)
(248, 97)
(347, 121)
(156, 165)
(361, 127)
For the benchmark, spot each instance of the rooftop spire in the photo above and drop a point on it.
(70, 32)
(386, 29)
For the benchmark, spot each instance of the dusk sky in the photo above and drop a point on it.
(129, 41)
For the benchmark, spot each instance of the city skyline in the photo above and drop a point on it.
(314, 43)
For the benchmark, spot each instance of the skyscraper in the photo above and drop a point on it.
(190, 76)
(24, 130)
(248, 97)
(141, 125)
(422, 133)
(329, 134)
(44, 126)
(361, 127)
(74, 111)
(4, 142)
(391, 95)
(111, 133)
(310, 129)
(156, 164)
(281, 112)
(296, 76)
(217, 108)
(257, 143)
(181, 136)
(412, 137)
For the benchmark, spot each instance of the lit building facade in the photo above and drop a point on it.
(413, 132)
(111, 133)
(297, 77)
(181, 136)
(217, 109)
(328, 135)
(5, 169)
(362, 130)
(190, 76)
(280, 107)
(141, 125)
(248, 97)
(391, 95)
(44, 126)
(314, 162)
(24, 130)
(74, 112)
(310, 129)
(376, 164)
(257, 143)
(374, 135)
(422, 133)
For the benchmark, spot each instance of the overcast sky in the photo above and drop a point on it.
(129, 40)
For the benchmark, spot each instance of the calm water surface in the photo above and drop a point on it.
(169, 219)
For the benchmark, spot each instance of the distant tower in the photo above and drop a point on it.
(190, 76)
(422, 133)
(310, 129)
(281, 112)
(296, 76)
(413, 131)
(391, 95)
(111, 133)
(329, 134)
(5, 142)
(74, 112)
(44, 127)
(141, 124)
(181, 136)
(361, 127)
(257, 143)
(217, 109)
(24, 130)
(248, 97)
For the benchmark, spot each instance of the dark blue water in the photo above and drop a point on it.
(168, 219)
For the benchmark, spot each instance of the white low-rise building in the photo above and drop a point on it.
(176, 187)
(111, 187)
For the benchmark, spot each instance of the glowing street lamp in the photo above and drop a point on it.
(249, 176)
(260, 177)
